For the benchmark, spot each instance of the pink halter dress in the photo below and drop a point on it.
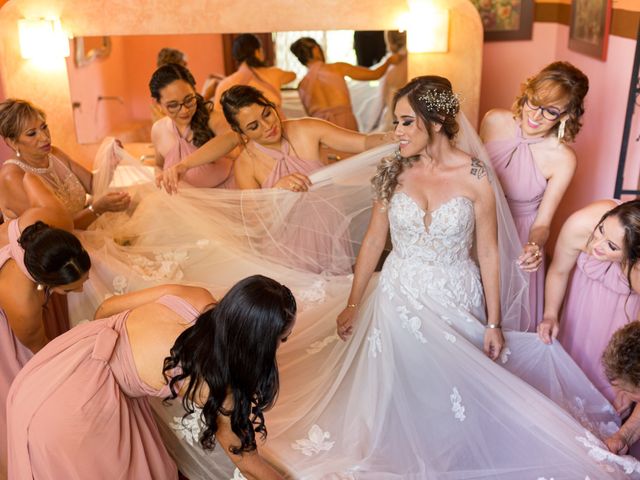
(524, 186)
(79, 409)
(322, 78)
(286, 163)
(308, 240)
(13, 354)
(597, 303)
(218, 174)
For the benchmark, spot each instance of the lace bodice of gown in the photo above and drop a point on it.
(446, 240)
(62, 181)
(434, 258)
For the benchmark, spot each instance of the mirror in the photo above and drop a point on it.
(110, 95)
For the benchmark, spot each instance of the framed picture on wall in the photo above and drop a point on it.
(589, 28)
(506, 19)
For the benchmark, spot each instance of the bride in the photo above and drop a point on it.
(410, 394)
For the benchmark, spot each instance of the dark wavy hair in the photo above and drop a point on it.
(231, 349)
(53, 256)
(433, 101)
(199, 124)
(621, 358)
(557, 81)
(244, 50)
(628, 214)
(303, 49)
(240, 96)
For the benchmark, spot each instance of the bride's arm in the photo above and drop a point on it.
(488, 257)
(370, 251)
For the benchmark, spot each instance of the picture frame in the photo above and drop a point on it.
(505, 20)
(589, 27)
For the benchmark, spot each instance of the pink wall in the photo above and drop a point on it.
(204, 56)
(507, 64)
(125, 74)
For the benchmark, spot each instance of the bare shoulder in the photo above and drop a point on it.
(199, 297)
(10, 173)
(497, 123)
(477, 179)
(583, 221)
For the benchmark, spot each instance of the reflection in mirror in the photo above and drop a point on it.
(85, 52)
(110, 95)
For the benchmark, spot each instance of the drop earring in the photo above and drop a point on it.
(17, 153)
(561, 130)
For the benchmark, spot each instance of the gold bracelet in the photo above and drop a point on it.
(534, 244)
(352, 305)
(494, 325)
(92, 210)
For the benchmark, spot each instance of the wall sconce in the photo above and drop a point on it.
(42, 38)
(427, 27)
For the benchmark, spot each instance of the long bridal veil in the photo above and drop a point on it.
(309, 241)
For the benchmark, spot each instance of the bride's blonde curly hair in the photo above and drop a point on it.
(432, 99)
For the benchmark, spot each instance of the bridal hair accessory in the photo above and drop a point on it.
(441, 101)
(561, 129)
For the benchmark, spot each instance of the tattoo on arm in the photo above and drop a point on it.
(478, 169)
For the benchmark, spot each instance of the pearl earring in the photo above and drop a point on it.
(561, 130)
(17, 153)
(39, 287)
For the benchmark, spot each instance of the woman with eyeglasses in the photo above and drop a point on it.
(188, 125)
(529, 150)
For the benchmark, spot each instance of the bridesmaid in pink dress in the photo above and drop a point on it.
(33, 264)
(281, 154)
(592, 270)
(528, 149)
(323, 91)
(79, 409)
(252, 70)
(188, 124)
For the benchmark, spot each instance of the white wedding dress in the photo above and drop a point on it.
(410, 395)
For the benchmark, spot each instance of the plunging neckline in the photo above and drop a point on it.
(431, 213)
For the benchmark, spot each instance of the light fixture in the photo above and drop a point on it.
(427, 27)
(42, 38)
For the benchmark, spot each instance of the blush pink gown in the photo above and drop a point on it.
(322, 78)
(286, 163)
(314, 238)
(218, 174)
(597, 303)
(13, 354)
(523, 185)
(79, 410)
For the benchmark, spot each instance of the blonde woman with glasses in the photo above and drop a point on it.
(528, 147)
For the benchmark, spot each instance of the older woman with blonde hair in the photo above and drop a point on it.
(24, 128)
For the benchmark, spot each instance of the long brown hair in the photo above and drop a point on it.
(432, 99)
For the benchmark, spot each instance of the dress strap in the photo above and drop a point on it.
(281, 154)
(180, 306)
(528, 141)
(17, 252)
